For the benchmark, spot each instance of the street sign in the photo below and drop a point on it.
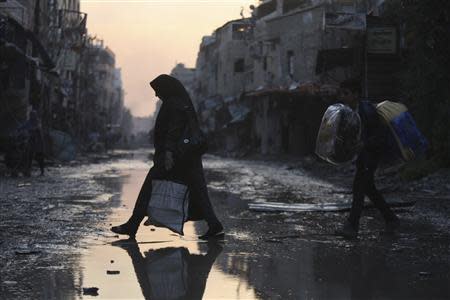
(382, 40)
(342, 20)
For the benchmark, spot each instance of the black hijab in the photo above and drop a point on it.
(168, 87)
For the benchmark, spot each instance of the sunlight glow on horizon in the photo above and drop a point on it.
(149, 37)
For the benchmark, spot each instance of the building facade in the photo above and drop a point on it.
(266, 80)
(47, 63)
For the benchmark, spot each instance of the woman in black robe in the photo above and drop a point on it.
(176, 113)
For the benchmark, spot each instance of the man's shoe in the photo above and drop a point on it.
(125, 228)
(347, 231)
(214, 232)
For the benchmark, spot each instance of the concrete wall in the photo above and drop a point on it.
(186, 76)
(280, 52)
(206, 70)
(285, 122)
(232, 81)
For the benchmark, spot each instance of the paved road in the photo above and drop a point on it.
(55, 239)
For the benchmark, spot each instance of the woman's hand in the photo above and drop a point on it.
(168, 160)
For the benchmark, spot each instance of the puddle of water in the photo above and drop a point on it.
(270, 256)
(161, 265)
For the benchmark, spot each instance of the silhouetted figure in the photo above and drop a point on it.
(172, 120)
(171, 273)
(35, 151)
(374, 137)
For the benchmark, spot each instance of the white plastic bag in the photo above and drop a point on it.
(169, 204)
(339, 135)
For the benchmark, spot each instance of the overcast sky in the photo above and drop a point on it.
(150, 36)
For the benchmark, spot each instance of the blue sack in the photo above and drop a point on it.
(410, 141)
(409, 135)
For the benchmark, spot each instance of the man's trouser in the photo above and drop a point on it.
(363, 185)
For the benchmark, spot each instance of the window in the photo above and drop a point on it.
(239, 31)
(239, 65)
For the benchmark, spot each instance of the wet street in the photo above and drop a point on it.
(55, 239)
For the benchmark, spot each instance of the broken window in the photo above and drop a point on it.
(102, 75)
(238, 31)
(239, 65)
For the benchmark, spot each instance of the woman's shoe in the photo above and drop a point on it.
(214, 232)
(125, 228)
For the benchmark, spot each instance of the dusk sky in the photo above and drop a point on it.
(150, 36)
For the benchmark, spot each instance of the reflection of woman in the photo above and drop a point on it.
(172, 273)
(172, 119)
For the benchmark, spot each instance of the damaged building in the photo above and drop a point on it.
(43, 47)
(263, 83)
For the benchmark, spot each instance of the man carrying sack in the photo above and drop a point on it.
(374, 136)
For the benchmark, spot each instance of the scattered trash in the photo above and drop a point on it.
(317, 207)
(59, 220)
(27, 252)
(427, 197)
(51, 268)
(112, 272)
(50, 206)
(273, 241)
(90, 291)
(288, 236)
(346, 192)
(429, 191)
(23, 184)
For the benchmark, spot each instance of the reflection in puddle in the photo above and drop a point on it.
(160, 265)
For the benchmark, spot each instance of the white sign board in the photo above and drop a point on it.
(343, 20)
(382, 40)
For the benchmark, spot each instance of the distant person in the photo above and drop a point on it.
(170, 124)
(374, 135)
(35, 151)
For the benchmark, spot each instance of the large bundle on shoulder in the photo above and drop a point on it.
(404, 131)
(339, 134)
